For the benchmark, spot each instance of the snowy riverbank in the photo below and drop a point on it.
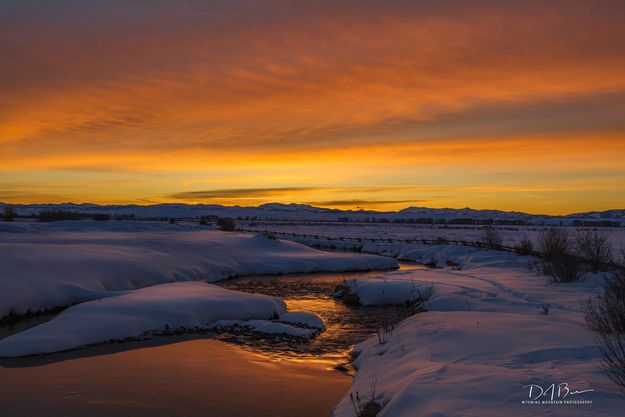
(493, 329)
(46, 269)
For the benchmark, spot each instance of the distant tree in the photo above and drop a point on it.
(226, 224)
(8, 215)
(57, 215)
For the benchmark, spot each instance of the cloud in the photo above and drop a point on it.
(357, 202)
(239, 193)
(235, 95)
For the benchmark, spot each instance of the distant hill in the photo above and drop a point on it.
(608, 214)
(279, 211)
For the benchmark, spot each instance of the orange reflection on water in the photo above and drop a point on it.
(194, 377)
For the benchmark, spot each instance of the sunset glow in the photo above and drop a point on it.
(503, 105)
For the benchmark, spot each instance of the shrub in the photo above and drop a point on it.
(172, 220)
(8, 214)
(568, 268)
(605, 315)
(554, 244)
(595, 248)
(558, 262)
(524, 247)
(493, 238)
(226, 224)
(101, 217)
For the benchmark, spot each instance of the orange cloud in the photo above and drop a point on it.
(315, 95)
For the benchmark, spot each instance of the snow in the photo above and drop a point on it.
(267, 327)
(46, 269)
(384, 290)
(481, 342)
(352, 235)
(181, 305)
(304, 319)
(293, 323)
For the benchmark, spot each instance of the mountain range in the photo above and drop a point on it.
(279, 211)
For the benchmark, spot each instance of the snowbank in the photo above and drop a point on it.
(385, 290)
(304, 319)
(267, 327)
(182, 305)
(484, 338)
(50, 269)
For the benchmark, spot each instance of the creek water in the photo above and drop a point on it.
(202, 375)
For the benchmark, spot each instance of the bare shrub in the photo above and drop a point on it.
(605, 315)
(568, 268)
(554, 244)
(493, 238)
(226, 224)
(558, 261)
(525, 247)
(595, 248)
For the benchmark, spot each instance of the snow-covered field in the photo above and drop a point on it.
(484, 341)
(492, 331)
(43, 269)
(511, 234)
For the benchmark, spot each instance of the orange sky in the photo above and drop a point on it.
(383, 105)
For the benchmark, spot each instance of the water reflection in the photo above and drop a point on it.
(345, 325)
(199, 377)
(192, 375)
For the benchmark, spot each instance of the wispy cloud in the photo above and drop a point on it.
(364, 203)
(239, 193)
(254, 101)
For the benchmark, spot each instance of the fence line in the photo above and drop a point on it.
(437, 241)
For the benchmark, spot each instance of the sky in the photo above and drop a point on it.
(348, 104)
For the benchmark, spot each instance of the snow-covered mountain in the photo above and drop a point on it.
(279, 211)
(607, 215)
(466, 212)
